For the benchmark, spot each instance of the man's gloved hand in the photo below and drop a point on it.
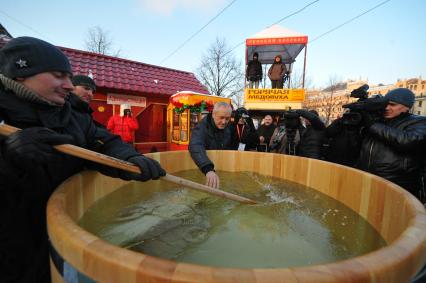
(150, 168)
(33, 146)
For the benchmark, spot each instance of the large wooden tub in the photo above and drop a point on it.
(397, 215)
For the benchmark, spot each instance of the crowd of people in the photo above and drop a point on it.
(390, 143)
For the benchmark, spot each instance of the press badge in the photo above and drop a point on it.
(241, 146)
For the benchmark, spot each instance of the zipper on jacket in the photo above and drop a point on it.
(369, 156)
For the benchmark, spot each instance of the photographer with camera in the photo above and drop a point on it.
(247, 138)
(123, 125)
(312, 135)
(293, 138)
(344, 133)
(286, 136)
(394, 148)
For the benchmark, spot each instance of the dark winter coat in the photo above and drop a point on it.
(206, 136)
(79, 104)
(246, 135)
(24, 194)
(344, 142)
(254, 71)
(395, 150)
(266, 132)
(82, 106)
(312, 138)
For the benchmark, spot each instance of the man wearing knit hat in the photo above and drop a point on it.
(84, 87)
(395, 148)
(35, 82)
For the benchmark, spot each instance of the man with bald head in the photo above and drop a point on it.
(266, 130)
(213, 132)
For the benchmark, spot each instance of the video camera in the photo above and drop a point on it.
(361, 93)
(375, 106)
(291, 120)
(242, 113)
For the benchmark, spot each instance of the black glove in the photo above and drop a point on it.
(150, 168)
(33, 146)
(368, 119)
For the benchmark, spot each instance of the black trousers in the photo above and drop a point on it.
(277, 83)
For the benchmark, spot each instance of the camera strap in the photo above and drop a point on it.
(240, 133)
(241, 146)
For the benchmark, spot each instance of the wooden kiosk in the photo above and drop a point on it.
(184, 112)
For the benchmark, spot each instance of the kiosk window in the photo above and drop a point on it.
(184, 126)
(176, 128)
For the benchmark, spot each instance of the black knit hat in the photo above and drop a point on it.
(28, 56)
(82, 80)
(402, 96)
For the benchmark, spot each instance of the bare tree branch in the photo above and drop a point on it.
(297, 80)
(332, 104)
(220, 72)
(99, 41)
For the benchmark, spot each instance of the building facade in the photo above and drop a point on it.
(329, 102)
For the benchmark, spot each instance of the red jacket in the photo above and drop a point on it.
(123, 126)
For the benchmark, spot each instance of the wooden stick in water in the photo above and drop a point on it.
(86, 154)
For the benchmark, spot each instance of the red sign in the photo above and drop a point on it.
(113, 98)
(277, 41)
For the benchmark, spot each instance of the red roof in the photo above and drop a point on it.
(126, 75)
(131, 76)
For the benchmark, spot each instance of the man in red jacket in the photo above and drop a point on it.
(123, 125)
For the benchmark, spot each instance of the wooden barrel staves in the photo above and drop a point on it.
(394, 213)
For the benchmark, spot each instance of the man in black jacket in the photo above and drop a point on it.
(344, 141)
(254, 71)
(84, 87)
(265, 132)
(395, 148)
(293, 138)
(34, 86)
(82, 95)
(213, 132)
(312, 136)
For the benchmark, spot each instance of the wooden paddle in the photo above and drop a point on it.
(86, 154)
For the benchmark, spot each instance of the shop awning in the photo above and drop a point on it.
(276, 40)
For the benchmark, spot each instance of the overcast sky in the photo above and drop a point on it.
(383, 45)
